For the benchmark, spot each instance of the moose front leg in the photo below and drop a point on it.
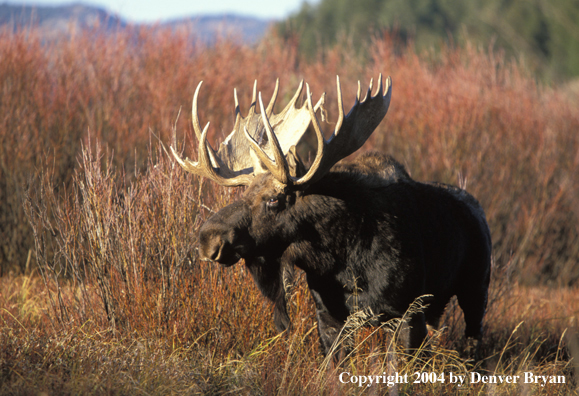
(281, 318)
(329, 329)
(328, 326)
(271, 279)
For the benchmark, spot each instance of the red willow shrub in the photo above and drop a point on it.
(463, 114)
(127, 253)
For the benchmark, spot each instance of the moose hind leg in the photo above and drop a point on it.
(417, 331)
(434, 311)
(473, 306)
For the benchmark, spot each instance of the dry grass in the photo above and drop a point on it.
(102, 290)
(81, 356)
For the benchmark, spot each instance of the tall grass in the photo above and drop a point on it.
(104, 224)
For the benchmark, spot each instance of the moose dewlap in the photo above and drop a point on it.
(366, 220)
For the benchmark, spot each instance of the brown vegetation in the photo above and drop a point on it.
(113, 298)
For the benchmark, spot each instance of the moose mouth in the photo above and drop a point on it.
(228, 255)
(229, 262)
(225, 256)
(223, 262)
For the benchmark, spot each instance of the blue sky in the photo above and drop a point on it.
(150, 11)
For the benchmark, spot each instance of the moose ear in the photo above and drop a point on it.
(296, 166)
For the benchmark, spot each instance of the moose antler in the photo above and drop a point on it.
(349, 135)
(233, 164)
(269, 137)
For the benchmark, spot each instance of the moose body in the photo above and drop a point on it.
(365, 233)
(365, 239)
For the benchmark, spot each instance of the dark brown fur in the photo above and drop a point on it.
(367, 236)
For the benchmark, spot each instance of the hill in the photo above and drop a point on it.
(209, 27)
(55, 21)
(58, 19)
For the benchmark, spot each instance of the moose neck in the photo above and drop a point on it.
(330, 212)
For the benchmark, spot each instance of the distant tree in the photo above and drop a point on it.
(543, 32)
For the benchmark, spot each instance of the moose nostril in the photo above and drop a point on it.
(211, 247)
(216, 244)
(216, 250)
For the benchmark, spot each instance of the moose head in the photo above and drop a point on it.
(260, 153)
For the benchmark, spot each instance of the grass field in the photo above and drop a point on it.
(102, 292)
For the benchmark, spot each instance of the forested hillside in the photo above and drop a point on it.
(543, 34)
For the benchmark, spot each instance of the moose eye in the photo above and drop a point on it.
(273, 203)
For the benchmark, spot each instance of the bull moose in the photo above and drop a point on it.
(367, 220)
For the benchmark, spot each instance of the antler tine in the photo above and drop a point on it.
(198, 167)
(321, 144)
(279, 169)
(197, 124)
(297, 94)
(194, 115)
(320, 102)
(369, 93)
(237, 110)
(203, 164)
(204, 159)
(253, 100)
(340, 108)
(269, 109)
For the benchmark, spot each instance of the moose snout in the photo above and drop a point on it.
(221, 238)
(211, 247)
(218, 245)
